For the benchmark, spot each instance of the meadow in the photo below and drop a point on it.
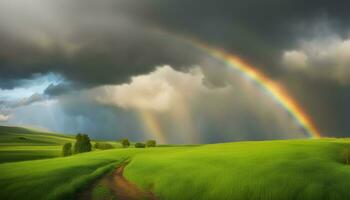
(19, 144)
(285, 169)
(294, 169)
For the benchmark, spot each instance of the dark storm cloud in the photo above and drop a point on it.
(107, 42)
(88, 45)
(257, 30)
(93, 43)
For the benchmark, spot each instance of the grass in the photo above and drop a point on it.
(290, 169)
(295, 169)
(56, 178)
(102, 191)
(19, 144)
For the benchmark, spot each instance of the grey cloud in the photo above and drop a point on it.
(58, 89)
(327, 58)
(93, 43)
(9, 105)
(103, 46)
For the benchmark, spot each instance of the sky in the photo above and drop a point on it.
(146, 69)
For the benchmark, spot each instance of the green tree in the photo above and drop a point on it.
(67, 149)
(125, 142)
(140, 145)
(82, 143)
(151, 143)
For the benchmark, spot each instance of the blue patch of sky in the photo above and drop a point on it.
(28, 87)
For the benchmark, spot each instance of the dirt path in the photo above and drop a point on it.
(120, 187)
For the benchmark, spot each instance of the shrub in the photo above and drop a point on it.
(140, 145)
(82, 143)
(346, 156)
(151, 143)
(103, 145)
(22, 138)
(67, 149)
(125, 143)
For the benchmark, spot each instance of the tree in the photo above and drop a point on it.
(125, 142)
(82, 144)
(67, 149)
(140, 145)
(151, 143)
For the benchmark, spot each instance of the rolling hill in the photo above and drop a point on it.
(285, 169)
(18, 144)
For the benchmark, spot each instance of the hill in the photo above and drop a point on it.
(290, 169)
(17, 144)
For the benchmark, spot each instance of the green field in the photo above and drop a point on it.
(299, 169)
(290, 169)
(19, 144)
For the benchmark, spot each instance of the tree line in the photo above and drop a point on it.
(83, 144)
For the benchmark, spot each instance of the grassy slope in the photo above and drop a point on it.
(17, 144)
(60, 178)
(299, 169)
(56, 178)
(20, 144)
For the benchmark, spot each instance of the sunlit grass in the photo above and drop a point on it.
(56, 178)
(291, 169)
(305, 169)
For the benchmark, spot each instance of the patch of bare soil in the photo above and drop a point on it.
(121, 188)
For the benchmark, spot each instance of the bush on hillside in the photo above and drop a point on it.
(82, 144)
(140, 145)
(346, 156)
(151, 143)
(67, 149)
(125, 142)
(103, 145)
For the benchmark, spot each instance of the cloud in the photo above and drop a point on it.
(28, 100)
(327, 58)
(295, 60)
(57, 89)
(189, 110)
(9, 106)
(159, 90)
(110, 41)
(97, 43)
(100, 46)
(4, 118)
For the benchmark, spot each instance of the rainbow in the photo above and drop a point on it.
(271, 87)
(267, 85)
(152, 124)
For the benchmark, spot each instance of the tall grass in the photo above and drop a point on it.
(56, 178)
(309, 169)
(294, 169)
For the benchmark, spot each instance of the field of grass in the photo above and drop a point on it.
(295, 169)
(55, 178)
(18, 144)
(290, 169)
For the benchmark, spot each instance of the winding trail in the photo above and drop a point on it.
(121, 188)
